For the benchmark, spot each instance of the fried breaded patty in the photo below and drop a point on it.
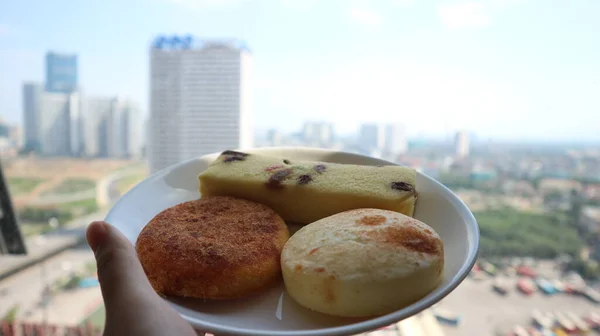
(213, 248)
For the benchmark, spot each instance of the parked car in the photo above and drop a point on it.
(526, 286)
(500, 285)
(446, 316)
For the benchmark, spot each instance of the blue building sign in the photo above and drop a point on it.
(61, 73)
(187, 41)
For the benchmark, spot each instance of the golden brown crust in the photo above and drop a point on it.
(410, 237)
(372, 220)
(213, 248)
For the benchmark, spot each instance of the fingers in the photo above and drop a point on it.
(121, 276)
(132, 306)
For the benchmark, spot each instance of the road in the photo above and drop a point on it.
(25, 287)
(108, 186)
(107, 191)
(48, 243)
(39, 246)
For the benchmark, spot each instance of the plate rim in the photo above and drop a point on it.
(358, 327)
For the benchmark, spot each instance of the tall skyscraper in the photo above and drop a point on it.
(61, 72)
(32, 94)
(112, 128)
(129, 141)
(395, 139)
(76, 131)
(98, 125)
(371, 137)
(274, 137)
(199, 98)
(58, 124)
(317, 133)
(16, 136)
(146, 137)
(6, 147)
(5, 141)
(462, 144)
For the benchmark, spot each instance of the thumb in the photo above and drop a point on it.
(132, 306)
(120, 273)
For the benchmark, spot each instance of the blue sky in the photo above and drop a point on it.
(503, 69)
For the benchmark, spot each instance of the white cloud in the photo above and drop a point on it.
(469, 14)
(365, 17)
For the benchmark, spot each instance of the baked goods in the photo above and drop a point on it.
(304, 192)
(362, 254)
(362, 263)
(213, 248)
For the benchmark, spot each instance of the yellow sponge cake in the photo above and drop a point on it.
(304, 191)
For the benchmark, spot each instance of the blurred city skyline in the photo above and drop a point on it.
(486, 67)
(495, 99)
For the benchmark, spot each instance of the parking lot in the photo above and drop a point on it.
(485, 312)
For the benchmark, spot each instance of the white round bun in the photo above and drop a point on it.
(362, 263)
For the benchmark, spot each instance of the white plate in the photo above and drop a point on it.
(273, 312)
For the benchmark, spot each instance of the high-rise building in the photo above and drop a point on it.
(97, 125)
(146, 137)
(59, 117)
(61, 72)
(462, 144)
(10, 139)
(5, 141)
(317, 133)
(52, 121)
(395, 139)
(6, 146)
(112, 128)
(274, 137)
(16, 136)
(32, 93)
(199, 98)
(130, 128)
(4, 129)
(371, 137)
(59, 122)
(76, 131)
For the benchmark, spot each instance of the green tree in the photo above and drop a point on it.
(11, 314)
(575, 210)
(586, 268)
(507, 232)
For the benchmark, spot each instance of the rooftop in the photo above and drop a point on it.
(183, 42)
(559, 184)
(592, 212)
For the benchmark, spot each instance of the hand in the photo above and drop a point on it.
(132, 306)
